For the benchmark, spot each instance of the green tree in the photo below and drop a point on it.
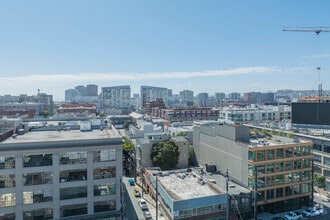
(44, 113)
(165, 155)
(127, 145)
(319, 181)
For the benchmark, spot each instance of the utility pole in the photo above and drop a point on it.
(228, 201)
(255, 192)
(156, 197)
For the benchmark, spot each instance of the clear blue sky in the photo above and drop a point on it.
(205, 46)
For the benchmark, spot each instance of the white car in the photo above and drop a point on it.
(143, 204)
(311, 212)
(292, 216)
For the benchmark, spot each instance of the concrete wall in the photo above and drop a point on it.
(216, 145)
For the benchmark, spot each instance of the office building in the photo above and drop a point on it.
(151, 93)
(116, 98)
(91, 90)
(54, 175)
(203, 99)
(278, 167)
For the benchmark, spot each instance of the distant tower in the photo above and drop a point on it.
(91, 90)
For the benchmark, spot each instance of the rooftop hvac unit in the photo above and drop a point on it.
(85, 126)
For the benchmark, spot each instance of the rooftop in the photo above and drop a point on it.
(70, 135)
(182, 185)
(275, 141)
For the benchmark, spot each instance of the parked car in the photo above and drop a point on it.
(293, 215)
(320, 210)
(143, 204)
(147, 215)
(311, 212)
(136, 192)
(131, 182)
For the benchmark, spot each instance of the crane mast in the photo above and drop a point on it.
(316, 30)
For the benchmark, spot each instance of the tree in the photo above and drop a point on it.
(319, 181)
(127, 145)
(44, 113)
(165, 155)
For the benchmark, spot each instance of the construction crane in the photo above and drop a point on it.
(316, 30)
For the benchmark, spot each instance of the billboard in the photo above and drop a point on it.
(317, 113)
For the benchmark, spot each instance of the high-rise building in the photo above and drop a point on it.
(151, 93)
(81, 89)
(203, 99)
(187, 95)
(91, 90)
(234, 96)
(116, 98)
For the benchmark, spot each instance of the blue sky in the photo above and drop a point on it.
(205, 46)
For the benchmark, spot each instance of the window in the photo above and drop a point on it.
(306, 175)
(37, 178)
(104, 172)
(251, 169)
(270, 168)
(270, 181)
(74, 157)
(8, 199)
(37, 196)
(105, 155)
(251, 155)
(297, 164)
(305, 162)
(326, 160)
(288, 152)
(279, 192)
(73, 210)
(9, 216)
(305, 150)
(105, 189)
(261, 169)
(104, 206)
(7, 162)
(288, 165)
(296, 151)
(296, 177)
(73, 192)
(288, 191)
(279, 179)
(270, 194)
(45, 213)
(317, 147)
(37, 160)
(270, 154)
(279, 153)
(288, 178)
(279, 166)
(305, 188)
(317, 158)
(73, 175)
(7, 181)
(261, 155)
(296, 189)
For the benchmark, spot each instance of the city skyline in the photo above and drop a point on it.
(203, 46)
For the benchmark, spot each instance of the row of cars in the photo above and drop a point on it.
(142, 203)
(309, 212)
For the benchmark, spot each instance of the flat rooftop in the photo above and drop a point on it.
(70, 135)
(275, 141)
(181, 186)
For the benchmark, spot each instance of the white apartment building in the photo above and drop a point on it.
(255, 114)
(116, 98)
(61, 175)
